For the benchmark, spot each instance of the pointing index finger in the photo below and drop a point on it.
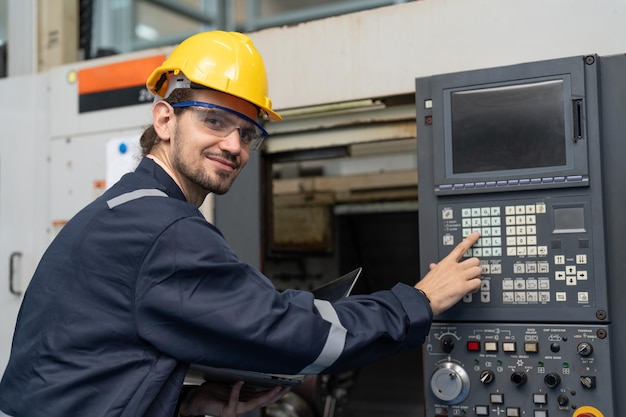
(465, 245)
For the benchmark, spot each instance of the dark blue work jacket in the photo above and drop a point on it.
(138, 285)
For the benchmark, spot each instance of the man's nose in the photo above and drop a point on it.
(232, 142)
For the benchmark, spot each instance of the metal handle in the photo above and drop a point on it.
(577, 119)
(12, 273)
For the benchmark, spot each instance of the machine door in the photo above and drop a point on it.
(23, 193)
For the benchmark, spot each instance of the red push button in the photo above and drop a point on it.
(473, 346)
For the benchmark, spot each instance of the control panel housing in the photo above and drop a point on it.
(539, 338)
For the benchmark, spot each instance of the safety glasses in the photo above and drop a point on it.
(222, 121)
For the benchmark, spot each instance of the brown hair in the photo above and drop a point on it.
(149, 138)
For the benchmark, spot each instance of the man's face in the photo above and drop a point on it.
(199, 152)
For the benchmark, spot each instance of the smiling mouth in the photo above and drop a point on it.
(223, 163)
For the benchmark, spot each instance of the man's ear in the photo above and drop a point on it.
(162, 119)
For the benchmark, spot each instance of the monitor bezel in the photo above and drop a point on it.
(576, 164)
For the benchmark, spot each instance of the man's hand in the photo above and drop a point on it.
(450, 280)
(222, 400)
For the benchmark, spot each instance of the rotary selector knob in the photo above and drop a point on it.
(450, 383)
(487, 377)
(447, 344)
(584, 349)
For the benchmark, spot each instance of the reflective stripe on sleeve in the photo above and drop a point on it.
(335, 341)
(134, 195)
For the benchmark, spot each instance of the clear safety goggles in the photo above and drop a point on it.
(222, 121)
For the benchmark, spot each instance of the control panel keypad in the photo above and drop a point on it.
(520, 262)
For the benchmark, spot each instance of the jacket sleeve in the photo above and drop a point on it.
(196, 302)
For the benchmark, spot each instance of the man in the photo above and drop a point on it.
(138, 284)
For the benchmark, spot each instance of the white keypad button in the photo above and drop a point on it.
(544, 284)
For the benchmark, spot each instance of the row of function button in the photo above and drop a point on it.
(507, 347)
(539, 399)
(511, 297)
(497, 399)
(537, 267)
(483, 410)
(505, 183)
(528, 290)
(538, 208)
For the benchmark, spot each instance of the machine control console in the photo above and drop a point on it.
(516, 370)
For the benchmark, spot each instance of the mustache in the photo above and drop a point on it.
(226, 156)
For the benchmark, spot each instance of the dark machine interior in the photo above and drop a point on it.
(375, 228)
(385, 244)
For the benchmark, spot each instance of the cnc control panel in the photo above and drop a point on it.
(516, 370)
(516, 153)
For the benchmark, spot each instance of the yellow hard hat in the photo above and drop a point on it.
(223, 61)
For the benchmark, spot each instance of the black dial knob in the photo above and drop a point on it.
(447, 344)
(552, 379)
(518, 378)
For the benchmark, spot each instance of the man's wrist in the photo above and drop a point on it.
(424, 294)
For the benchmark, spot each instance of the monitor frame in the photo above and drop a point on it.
(575, 170)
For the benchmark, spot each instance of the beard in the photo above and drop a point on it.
(218, 182)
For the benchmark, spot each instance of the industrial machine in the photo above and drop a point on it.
(526, 154)
(541, 338)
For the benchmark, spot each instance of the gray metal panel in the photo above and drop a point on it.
(238, 213)
(605, 95)
(24, 192)
(565, 298)
(513, 373)
(613, 125)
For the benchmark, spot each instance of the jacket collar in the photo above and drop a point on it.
(149, 167)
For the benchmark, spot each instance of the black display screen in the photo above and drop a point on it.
(505, 128)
